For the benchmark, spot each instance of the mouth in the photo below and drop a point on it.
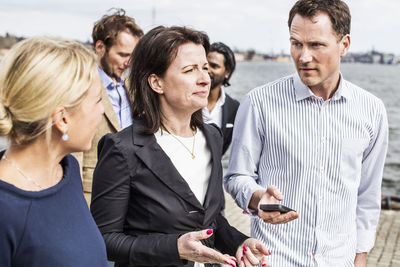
(307, 69)
(202, 93)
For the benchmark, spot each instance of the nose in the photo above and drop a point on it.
(127, 62)
(305, 55)
(204, 78)
(210, 70)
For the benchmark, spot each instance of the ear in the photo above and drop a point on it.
(156, 83)
(344, 45)
(60, 119)
(227, 73)
(100, 48)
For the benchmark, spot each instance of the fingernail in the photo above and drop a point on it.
(242, 259)
(234, 259)
(209, 231)
(244, 248)
(269, 252)
(227, 262)
(264, 264)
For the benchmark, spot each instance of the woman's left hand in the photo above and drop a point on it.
(252, 252)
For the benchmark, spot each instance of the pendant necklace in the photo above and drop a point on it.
(194, 141)
(21, 172)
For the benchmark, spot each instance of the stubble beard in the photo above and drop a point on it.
(215, 83)
(106, 67)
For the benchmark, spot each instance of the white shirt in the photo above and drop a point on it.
(215, 116)
(197, 171)
(327, 159)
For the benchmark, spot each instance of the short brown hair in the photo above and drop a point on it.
(109, 26)
(153, 54)
(337, 10)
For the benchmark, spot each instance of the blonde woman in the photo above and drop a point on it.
(50, 106)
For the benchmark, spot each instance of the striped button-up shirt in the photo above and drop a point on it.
(327, 159)
(119, 99)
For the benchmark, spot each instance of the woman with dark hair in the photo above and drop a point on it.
(157, 189)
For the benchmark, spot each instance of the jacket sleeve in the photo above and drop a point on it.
(110, 203)
(227, 237)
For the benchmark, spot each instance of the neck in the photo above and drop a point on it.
(213, 97)
(37, 160)
(179, 126)
(327, 90)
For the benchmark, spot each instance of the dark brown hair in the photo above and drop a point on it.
(107, 28)
(153, 54)
(337, 10)
(229, 59)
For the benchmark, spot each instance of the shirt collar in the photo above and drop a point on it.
(222, 96)
(107, 81)
(302, 91)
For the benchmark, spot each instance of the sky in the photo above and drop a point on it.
(243, 25)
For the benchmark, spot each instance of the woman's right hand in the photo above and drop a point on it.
(190, 248)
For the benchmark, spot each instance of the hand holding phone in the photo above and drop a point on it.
(275, 207)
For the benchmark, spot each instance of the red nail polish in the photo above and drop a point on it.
(209, 231)
(244, 248)
(263, 264)
(242, 259)
(227, 262)
(269, 252)
(234, 259)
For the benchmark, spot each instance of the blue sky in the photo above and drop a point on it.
(258, 24)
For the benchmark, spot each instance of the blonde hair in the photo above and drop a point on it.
(37, 76)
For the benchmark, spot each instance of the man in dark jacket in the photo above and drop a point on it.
(221, 108)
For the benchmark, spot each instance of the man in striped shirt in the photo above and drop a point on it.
(318, 138)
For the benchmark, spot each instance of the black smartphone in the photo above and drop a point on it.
(275, 207)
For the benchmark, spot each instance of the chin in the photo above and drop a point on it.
(308, 81)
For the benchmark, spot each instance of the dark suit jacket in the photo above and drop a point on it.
(142, 205)
(229, 110)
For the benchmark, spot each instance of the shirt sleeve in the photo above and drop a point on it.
(241, 179)
(369, 192)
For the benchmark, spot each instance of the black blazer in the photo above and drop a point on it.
(229, 110)
(142, 204)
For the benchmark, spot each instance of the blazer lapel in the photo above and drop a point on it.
(225, 113)
(109, 112)
(160, 164)
(215, 147)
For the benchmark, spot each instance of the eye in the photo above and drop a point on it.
(205, 68)
(296, 44)
(188, 70)
(316, 44)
